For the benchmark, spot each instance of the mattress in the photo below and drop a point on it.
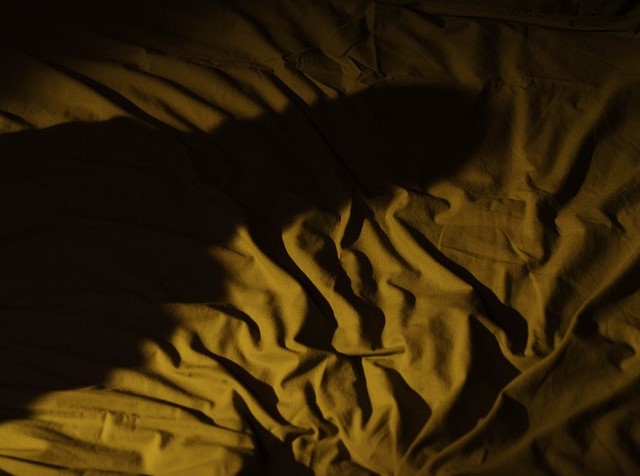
(334, 237)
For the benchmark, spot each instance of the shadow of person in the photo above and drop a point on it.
(104, 224)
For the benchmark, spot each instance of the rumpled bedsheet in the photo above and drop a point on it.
(333, 237)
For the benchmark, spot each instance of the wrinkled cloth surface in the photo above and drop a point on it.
(333, 237)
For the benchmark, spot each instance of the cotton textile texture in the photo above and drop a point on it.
(329, 237)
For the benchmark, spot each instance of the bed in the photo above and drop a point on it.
(336, 237)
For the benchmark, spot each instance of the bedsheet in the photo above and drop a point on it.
(332, 237)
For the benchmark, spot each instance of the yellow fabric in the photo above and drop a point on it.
(333, 238)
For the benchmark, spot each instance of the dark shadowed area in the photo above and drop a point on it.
(105, 222)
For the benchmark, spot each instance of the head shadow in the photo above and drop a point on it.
(104, 223)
